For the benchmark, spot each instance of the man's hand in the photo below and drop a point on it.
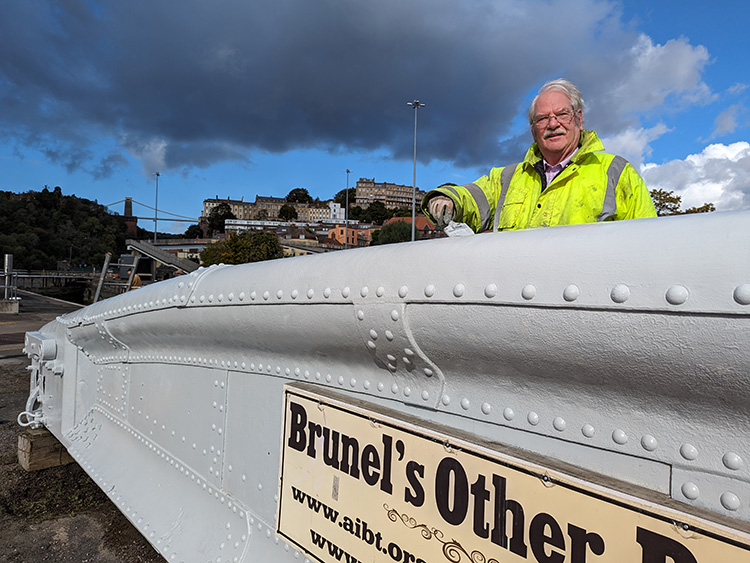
(441, 208)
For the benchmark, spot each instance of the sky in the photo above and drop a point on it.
(238, 98)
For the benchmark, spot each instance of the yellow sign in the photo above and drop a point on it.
(360, 485)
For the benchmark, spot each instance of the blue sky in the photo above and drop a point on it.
(237, 99)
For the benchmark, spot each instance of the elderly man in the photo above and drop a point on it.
(565, 178)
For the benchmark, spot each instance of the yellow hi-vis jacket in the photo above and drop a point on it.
(595, 186)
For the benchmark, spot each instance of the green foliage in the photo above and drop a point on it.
(242, 248)
(42, 228)
(218, 215)
(398, 231)
(287, 212)
(299, 195)
(340, 197)
(193, 231)
(668, 203)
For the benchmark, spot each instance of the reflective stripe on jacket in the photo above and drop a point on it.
(595, 186)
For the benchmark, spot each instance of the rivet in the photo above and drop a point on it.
(559, 424)
(380, 291)
(620, 293)
(394, 388)
(465, 404)
(341, 380)
(394, 315)
(588, 430)
(732, 461)
(429, 291)
(571, 293)
(459, 290)
(361, 315)
(690, 490)
(329, 377)
(366, 384)
(508, 414)
(371, 345)
(620, 437)
(407, 391)
(490, 291)
(677, 295)
(446, 400)
(649, 443)
(425, 395)
(730, 501)
(295, 294)
(742, 294)
(202, 298)
(310, 293)
(528, 292)
(345, 292)
(533, 418)
(253, 296)
(353, 382)
(221, 297)
(403, 291)
(373, 334)
(388, 335)
(486, 408)
(428, 372)
(688, 451)
(364, 291)
(327, 292)
(266, 295)
(381, 386)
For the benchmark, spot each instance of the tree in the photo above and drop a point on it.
(299, 195)
(262, 215)
(287, 212)
(668, 203)
(218, 215)
(340, 197)
(705, 208)
(193, 231)
(376, 213)
(242, 248)
(397, 231)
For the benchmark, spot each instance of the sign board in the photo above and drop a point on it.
(362, 484)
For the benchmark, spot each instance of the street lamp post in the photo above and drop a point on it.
(416, 105)
(346, 212)
(156, 205)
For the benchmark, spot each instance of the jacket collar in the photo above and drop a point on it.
(589, 143)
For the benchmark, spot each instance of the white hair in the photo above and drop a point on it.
(561, 85)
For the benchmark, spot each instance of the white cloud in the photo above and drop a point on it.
(720, 174)
(726, 121)
(659, 71)
(634, 143)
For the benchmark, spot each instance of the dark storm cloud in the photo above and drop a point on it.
(212, 81)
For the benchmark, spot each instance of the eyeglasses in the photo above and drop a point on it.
(563, 117)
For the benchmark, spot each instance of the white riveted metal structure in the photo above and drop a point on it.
(621, 349)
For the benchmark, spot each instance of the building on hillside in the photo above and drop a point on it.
(312, 212)
(240, 208)
(353, 236)
(337, 212)
(266, 208)
(425, 229)
(391, 195)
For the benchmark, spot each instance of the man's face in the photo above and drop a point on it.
(557, 137)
